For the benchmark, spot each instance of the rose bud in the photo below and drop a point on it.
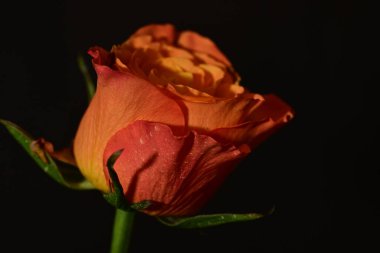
(173, 103)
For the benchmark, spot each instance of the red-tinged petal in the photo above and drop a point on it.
(120, 98)
(64, 155)
(274, 108)
(178, 174)
(100, 56)
(264, 120)
(158, 32)
(200, 44)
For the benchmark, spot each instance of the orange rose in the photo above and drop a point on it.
(173, 103)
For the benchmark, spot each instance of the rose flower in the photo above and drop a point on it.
(173, 103)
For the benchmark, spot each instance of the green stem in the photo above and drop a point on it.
(122, 231)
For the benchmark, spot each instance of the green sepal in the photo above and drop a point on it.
(141, 205)
(90, 86)
(208, 220)
(64, 174)
(116, 196)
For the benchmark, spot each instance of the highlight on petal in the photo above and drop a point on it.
(120, 99)
(178, 174)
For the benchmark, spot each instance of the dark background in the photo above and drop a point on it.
(321, 171)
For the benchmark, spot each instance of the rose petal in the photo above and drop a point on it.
(100, 56)
(205, 58)
(264, 120)
(178, 174)
(120, 98)
(64, 155)
(171, 51)
(144, 38)
(158, 32)
(190, 94)
(198, 43)
(221, 113)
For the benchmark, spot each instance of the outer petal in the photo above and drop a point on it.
(271, 114)
(221, 113)
(178, 174)
(196, 42)
(120, 99)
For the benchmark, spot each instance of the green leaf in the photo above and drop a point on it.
(116, 196)
(87, 77)
(66, 175)
(141, 205)
(210, 220)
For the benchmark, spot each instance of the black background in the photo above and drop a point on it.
(321, 171)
